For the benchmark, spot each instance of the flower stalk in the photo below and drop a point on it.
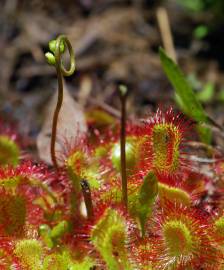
(123, 98)
(57, 47)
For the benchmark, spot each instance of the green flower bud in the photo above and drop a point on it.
(52, 46)
(123, 89)
(50, 58)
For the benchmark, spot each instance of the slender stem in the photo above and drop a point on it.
(87, 198)
(123, 97)
(55, 118)
(61, 71)
(166, 33)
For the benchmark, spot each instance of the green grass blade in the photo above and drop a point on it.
(190, 105)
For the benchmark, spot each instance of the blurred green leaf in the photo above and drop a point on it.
(207, 93)
(189, 103)
(194, 5)
(201, 31)
(186, 98)
(214, 6)
(221, 95)
(194, 82)
(204, 133)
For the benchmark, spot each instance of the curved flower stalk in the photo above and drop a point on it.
(57, 47)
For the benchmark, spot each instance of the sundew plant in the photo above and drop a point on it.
(128, 198)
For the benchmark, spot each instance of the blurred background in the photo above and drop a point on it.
(115, 41)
